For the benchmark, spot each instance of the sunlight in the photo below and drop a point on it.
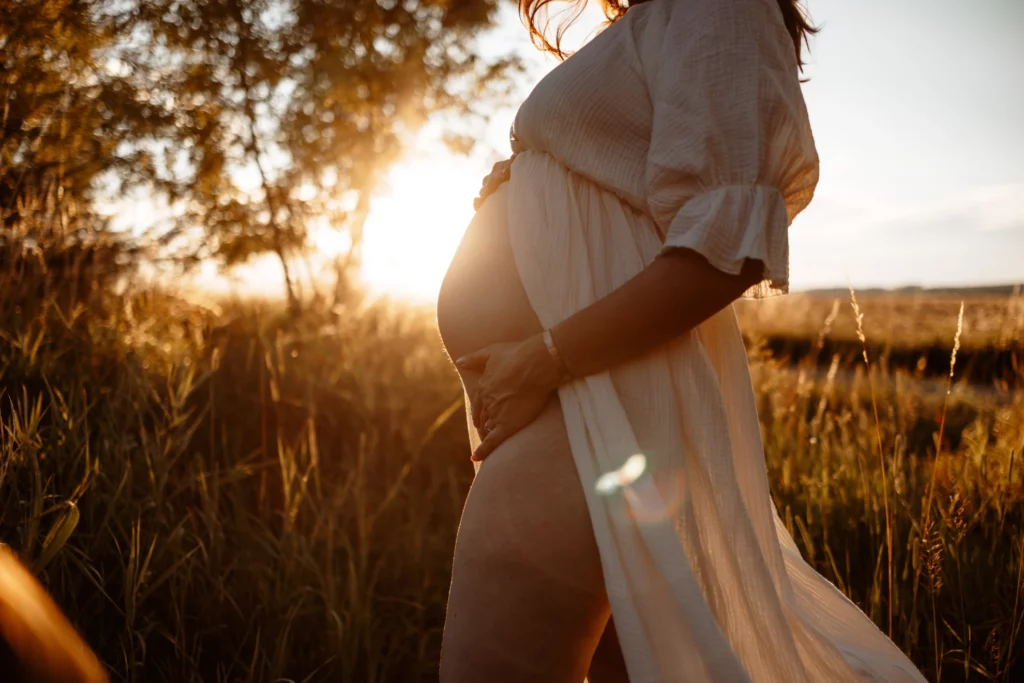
(416, 221)
(415, 225)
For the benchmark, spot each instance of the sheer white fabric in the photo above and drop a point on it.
(689, 111)
(683, 125)
(705, 582)
(731, 159)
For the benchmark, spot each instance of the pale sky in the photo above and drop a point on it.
(918, 113)
(917, 108)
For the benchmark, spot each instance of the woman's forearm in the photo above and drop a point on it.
(672, 295)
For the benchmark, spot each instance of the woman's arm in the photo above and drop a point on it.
(673, 294)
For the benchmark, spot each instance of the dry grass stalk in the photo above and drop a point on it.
(881, 455)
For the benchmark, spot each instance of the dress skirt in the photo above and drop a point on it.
(704, 581)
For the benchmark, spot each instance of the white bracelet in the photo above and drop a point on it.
(553, 351)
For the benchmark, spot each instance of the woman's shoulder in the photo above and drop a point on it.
(688, 28)
(698, 15)
(650, 21)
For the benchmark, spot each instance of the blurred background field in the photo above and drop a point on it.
(236, 487)
(909, 318)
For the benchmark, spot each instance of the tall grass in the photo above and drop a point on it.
(950, 455)
(245, 495)
(230, 496)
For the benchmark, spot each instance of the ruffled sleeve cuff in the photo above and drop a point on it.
(729, 224)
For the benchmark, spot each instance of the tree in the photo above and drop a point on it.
(68, 112)
(253, 118)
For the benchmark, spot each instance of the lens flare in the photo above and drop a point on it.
(630, 471)
(651, 498)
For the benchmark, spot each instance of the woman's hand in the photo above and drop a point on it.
(517, 381)
(500, 173)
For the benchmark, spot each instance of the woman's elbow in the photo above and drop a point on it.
(694, 269)
(750, 274)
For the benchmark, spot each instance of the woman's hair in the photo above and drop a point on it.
(793, 15)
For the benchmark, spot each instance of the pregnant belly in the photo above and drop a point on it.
(481, 300)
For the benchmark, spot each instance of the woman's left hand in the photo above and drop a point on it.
(500, 173)
(517, 381)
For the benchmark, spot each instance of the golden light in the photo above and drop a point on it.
(416, 221)
(415, 225)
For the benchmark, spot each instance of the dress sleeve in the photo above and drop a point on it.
(732, 159)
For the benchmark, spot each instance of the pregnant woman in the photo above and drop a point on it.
(620, 526)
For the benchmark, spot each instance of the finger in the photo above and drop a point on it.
(483, 419)
(492, 441)
(476, 408)
(477, 360)
(487, 425)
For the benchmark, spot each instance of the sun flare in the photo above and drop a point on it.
(415, 225)
(416, 221)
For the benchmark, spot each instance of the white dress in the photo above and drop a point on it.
(683, 125)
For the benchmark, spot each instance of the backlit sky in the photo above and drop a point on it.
(918, 112)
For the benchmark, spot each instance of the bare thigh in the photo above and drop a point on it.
(527, 600)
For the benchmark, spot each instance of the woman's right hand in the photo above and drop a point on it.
(500, 173)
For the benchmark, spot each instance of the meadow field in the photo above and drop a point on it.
(239, 493)
(221, 490)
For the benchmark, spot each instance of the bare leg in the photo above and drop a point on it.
(527, 600)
